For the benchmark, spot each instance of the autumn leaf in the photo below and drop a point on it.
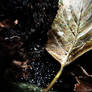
(71, 32)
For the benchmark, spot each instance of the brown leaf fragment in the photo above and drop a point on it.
(83, 86)
(22, 64)
(7, 23)
(84, 83)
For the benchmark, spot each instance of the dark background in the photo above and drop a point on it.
(34, 21)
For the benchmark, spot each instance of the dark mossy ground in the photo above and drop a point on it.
(24, 41)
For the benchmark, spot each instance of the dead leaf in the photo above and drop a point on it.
(71, 33)
(22, 64)
(83, 86)
(8, 24)
(84, 82)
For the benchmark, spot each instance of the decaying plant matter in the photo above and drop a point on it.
(71, 33)
(84, 82)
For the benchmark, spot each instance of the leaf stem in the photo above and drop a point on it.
(55, 79)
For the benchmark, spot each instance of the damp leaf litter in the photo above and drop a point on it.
(28, 62)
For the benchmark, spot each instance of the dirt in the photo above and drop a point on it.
(23, 34)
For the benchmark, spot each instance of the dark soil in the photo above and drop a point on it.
(25, 41)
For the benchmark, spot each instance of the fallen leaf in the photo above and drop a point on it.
(71, 33)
